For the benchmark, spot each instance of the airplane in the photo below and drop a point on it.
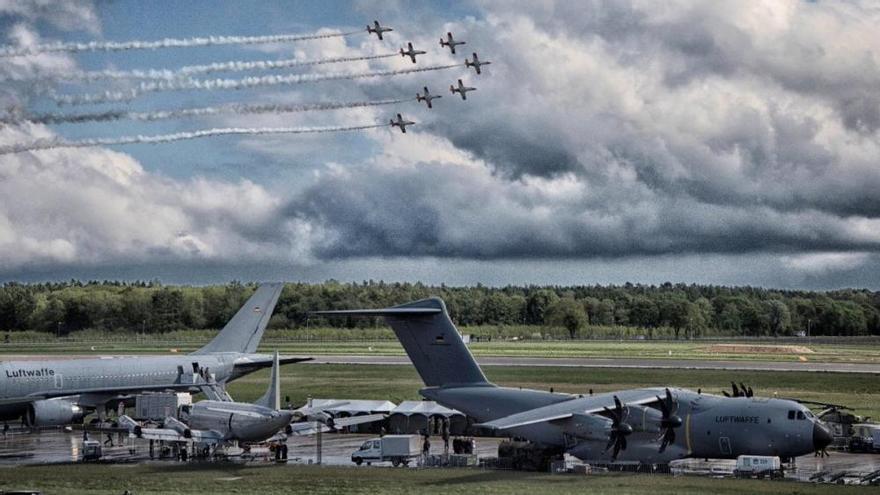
(461, 89)
(451, 43)
(647, 425)
(427, 97)
(411, 52)
(476, 64)
(219, 420)
(401, 123)
(377, 29)
(57, 392)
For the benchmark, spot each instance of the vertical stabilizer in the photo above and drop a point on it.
(245, 330)
(431, 341)
(272, 397)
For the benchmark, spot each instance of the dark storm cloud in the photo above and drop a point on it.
(442, 210)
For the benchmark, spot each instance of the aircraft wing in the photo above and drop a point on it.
(563, 410)
(124, 390)
(169, 434)
(166, 434)
(308, 428)
(357, 420)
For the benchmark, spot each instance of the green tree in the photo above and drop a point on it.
(779, 317)
(536, 305)
(569, 314)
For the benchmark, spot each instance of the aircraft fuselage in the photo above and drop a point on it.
(712, 426)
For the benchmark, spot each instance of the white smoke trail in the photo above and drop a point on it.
(48, 144)
(231, 84)
(117, 46)
(236, 108)
(195, 70)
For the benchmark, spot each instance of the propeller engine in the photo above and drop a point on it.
(741, 391)
(670, 421)
(619, 428)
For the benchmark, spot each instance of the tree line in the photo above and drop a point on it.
(686, 310)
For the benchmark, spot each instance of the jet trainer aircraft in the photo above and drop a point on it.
(411, 52)
(476, 63)
(401, 123)
(59, 392)
(648, 425)
(461, 89)
(451, 43)
(377, 29)
(427, 97)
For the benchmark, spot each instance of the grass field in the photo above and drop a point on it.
(832, 353)
(398, 383)
(315, 480)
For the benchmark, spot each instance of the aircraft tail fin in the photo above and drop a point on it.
(431, 341)
(245, 330)
(272, 397)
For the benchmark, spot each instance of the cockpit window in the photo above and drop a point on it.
(800, 415)
(791, 414)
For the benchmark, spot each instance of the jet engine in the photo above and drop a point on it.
(53, 412)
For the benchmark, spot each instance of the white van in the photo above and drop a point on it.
(399, 449)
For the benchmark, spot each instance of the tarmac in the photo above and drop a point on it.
(640, 363)
(56, 446)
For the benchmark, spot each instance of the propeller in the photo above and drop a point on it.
(670, 421)
(619, 429)
(741, 391)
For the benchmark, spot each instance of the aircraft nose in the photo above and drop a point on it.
(821, 436)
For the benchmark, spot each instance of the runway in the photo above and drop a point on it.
(578, 362)
(685, 364)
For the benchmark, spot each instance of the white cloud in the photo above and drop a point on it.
(821, 263)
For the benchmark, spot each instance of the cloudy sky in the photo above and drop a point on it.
(609, 141)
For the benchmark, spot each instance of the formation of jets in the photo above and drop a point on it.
(411, 52)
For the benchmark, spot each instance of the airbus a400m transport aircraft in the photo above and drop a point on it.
(59, 392)
(648, 425)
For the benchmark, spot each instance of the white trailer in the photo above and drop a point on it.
(399, 449)
(758, 466)
(159, 405)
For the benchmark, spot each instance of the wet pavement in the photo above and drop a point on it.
(56, 446)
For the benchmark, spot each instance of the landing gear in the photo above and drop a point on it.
(526, 456)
